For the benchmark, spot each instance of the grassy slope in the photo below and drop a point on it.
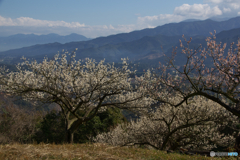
(87, 151)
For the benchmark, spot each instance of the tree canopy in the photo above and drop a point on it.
(80, 88)
(219, 82)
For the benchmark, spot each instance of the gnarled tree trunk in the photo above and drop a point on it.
(71, 127)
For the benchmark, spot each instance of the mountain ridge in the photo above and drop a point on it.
(24, 40)
(137, 45)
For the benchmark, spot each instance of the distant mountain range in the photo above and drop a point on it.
(24, 40)
(143, 46)
(215, 18)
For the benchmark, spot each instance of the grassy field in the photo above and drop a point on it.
(94, 151)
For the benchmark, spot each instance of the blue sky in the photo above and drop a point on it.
(94, 18)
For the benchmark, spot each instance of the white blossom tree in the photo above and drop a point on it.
(81, 90)
(192, 126)
(218, 81)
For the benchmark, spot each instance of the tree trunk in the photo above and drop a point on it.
(69, 136)
(71, 127)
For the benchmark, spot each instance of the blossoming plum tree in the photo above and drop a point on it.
(219, 82)
(81, 90)
(192, 126)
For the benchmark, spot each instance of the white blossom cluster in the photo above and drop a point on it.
(192, 126)
(81, 88)
(84, 88)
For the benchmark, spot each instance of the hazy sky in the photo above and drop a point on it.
(94, 18)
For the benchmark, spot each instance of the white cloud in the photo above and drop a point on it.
(183, 12)
(62, 27)
(29, 25)
(197, 10)
(226, 10)
(153, 21)
(210, 8)
(232, 4)
(137, 14)
(235, 5)
(230, 8)
(27, 21)
(215, 11)
(214, 1)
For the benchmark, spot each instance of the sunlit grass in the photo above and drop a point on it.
(87, 151)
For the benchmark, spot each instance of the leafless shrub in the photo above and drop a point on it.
(17, 125)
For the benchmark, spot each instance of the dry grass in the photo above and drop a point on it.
(94, 151)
